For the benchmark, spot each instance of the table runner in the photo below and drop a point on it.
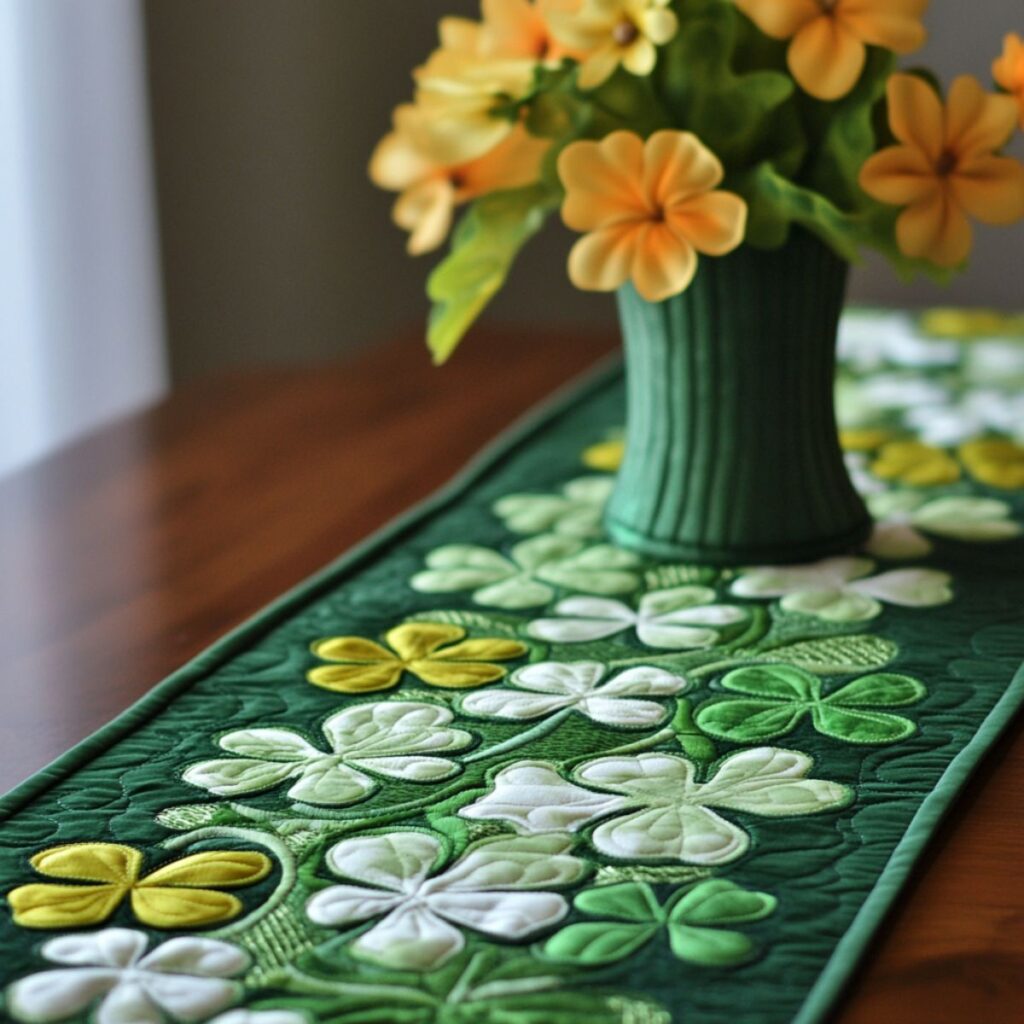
(489, 769)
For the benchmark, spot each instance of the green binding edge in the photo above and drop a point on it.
(851, 948)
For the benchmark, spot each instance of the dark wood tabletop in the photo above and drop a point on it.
(127, 554)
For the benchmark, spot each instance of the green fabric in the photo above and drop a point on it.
(602, 790)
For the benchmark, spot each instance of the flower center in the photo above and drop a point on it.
(946, 164)
(625, 33)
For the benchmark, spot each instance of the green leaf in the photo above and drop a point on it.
(691, 740)
(884, 689)
(720, 902)
(834, 655)
(730, 112)
(709, 947)
(630, 901)
(598, 943)
(844, 133)
(776, 203)
(782, 682)
(862, 726)
(485, 246)
(749, 721)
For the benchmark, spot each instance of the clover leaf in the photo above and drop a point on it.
(777, 698)
(695, 919)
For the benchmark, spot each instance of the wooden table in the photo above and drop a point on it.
(126, 555)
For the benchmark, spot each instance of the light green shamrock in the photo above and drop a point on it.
(527, 578)
(905, 518)
(777, 698)
(576, 512)
(694, 917)
(843, 590)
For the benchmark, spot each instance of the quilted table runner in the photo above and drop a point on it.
(490, 769)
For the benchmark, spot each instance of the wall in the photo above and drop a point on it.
(277, 248)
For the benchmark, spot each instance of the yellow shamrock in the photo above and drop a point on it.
(915, 463)
(172, 896)
(863, 440)
(427, 650)
(606, 456)
(996, 462)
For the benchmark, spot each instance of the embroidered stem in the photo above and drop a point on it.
(294, 980)
(543, 728)
(461, 987)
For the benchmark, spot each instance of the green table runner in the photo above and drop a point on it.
(489, 769)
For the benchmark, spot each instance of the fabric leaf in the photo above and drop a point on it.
(861, 726)
(749, 721)
(709, 947)
(595, 944)
(629, 901)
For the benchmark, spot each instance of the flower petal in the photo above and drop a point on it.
(90, 862)
(398, 862)
(63, 906)
(420, 639)
(482, 649)
(826, 58)
(269, 745)
(892, 24)
(351, 648)
(899, 175)
(511, 862)
(916, 115)
(514, 594)
(602, 261)
(505, 915)
(188, 999)
(564, 679)
(670, 637)
(112, 947)
(623, 712)
(349, 904)
(58, 995)
(603, 181)
(510, 704)
(219, 868)
(977, 122)
(331, 785)
(129, 1003)
(834, 605)
(898, 540)
(535, 798)
(714, 224)
(394, 727)
(990, 188)
(780, 20)
(357, 678)
(410, 769)
(677, 167)
(693, 835)
(909, 588)
(663, 263)
(207, 958)
(234, 776)
(411, 938)
(644, 776)
(644, 681)
(172, 908)
(456, 675)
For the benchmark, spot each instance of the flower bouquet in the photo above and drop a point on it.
(724, 162)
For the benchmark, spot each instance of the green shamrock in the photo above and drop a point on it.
(696, 919)
(778, 697)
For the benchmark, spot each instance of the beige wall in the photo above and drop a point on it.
(276, 247)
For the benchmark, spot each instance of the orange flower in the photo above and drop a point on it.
(828, 50)
(1008, 70)
(944, 167)
(431, 190)
(510, 28)
(649, 209)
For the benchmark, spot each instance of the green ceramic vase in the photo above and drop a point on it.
(732, 453)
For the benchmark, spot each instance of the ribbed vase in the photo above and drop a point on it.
(732, 454)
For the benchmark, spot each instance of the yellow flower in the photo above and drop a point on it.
(915, 463)
(428, 650)
(606, 456)
(1008, 70)
(830, 37)
(173, 896)
(454, 119)
(430, 191)
(866, 440)
(944, 167)
(607, 33)
(996, 462)
(648, 208)
(965, 324)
